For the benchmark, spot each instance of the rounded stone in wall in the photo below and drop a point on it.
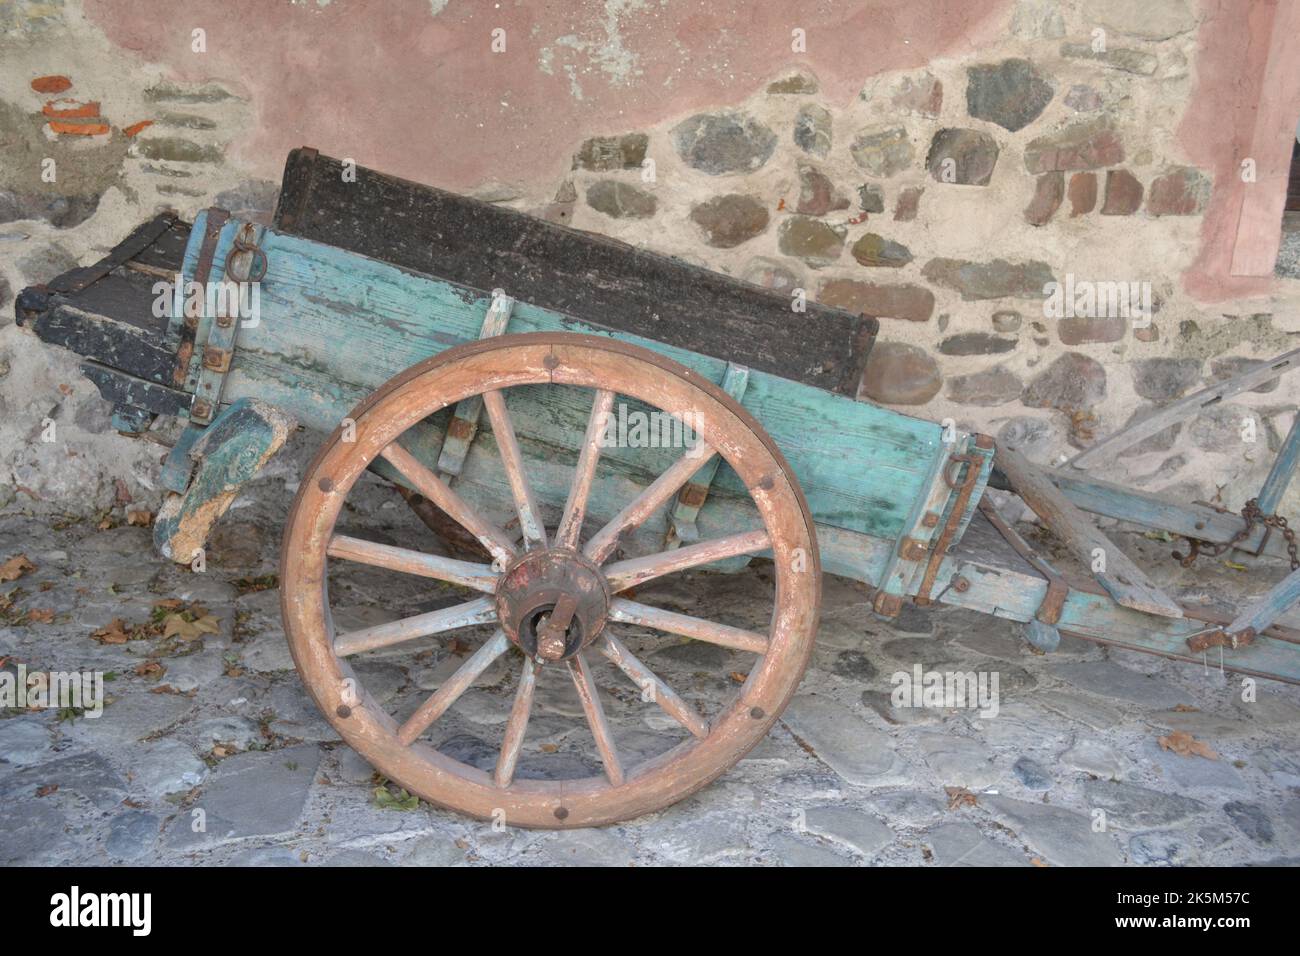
(1072, 382)
(621, 200)
(725, 142)
(900, 374)
(770, 274)
(1032, 437)
(987, 388)
(727, 221)
(883, 152)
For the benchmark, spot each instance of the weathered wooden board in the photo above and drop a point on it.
(1184, 408)
(588, 276)
(1001, 583)
(105, 312)
(333, 326)
(1124, 580)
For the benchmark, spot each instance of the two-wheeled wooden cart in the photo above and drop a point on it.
(498, 414)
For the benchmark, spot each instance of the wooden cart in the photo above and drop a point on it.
(503, 416)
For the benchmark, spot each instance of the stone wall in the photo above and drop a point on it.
(944, 198)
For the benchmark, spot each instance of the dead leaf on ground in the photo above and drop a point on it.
(139, 519)
(114, 633)
(960, 797)
(1185, 745)
(177, 626)
(1186, 709)
(41, 616)
(15, 568)
(151, 669)
(47, 789)
(1035, 861)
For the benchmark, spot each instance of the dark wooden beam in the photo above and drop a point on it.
(592, 277)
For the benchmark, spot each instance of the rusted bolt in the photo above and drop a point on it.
(550, 647)
(1200, 526)
(561, 813)
(344, 710)
(960, 584)
(550, 362)
(931, 520)
(758, 713)
(326, 485)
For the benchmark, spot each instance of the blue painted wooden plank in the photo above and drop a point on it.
(1264, 612)
(1279, 476)
(1015, 595)
(335, 325)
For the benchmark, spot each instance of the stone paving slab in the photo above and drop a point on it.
(849, 776)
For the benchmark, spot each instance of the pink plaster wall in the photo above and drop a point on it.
(1219, 130)
(419, 94)
(397, 88)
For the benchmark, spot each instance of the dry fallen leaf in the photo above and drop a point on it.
(151, 669)
(549, 748)
(737, 676)
(177, 626)
(1186, 709)
(114, 633)
(43, 616)
(15, 568)
(1035, 861)
(47, 789)
(959, 797)
(140, 519)
(1185, 745)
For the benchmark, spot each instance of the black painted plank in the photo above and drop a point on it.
(595, 278)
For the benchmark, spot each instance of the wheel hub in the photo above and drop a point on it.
(552, 603)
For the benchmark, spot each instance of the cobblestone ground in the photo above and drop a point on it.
(220, 722)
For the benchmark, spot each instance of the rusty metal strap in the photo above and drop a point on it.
(1049, 611)
(974, 465)
(78, 280)
(202, 269)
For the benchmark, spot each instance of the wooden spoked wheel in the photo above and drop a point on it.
(555, 598)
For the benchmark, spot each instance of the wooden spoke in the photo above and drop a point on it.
(516, 725)
(575, 509)
(467, 574)
(643, 506)
(478, 611)
(530, 519)
(452, 688)
(461, 511)
(625, 574)
(663, 695)
(630, 612)
(580, 670)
